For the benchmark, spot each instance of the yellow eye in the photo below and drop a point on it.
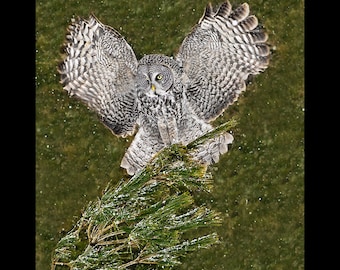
(159, 77)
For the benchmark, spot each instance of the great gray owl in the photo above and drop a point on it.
(169, 99)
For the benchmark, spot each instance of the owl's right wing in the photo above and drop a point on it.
(223, 49)
(100, 69)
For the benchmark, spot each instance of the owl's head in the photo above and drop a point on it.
(155, 75)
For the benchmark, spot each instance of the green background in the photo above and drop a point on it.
(259, 183)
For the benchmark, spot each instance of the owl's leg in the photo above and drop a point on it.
(168, 130)
(209, 152)
(143, 147)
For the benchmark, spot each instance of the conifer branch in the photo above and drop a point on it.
(141, 221)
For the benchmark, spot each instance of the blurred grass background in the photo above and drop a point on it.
(259, 183)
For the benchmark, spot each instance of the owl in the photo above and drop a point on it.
(165, 100)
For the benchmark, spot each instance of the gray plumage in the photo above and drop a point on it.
(169, 100)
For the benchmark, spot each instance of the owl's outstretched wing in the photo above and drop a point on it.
(223, 49)
(100, 69)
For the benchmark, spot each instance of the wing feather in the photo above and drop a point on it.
(219, 54)
(100, 69)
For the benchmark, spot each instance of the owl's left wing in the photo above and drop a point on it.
(223, 49)
(99, 69)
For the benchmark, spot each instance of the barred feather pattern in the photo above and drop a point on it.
(166, 99)
(223, 49)
(99, 70)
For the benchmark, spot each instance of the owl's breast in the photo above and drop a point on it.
(161, 116)
(160, 106)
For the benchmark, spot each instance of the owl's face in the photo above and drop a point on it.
(154, 80)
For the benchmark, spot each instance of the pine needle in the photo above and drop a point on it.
(141, 221)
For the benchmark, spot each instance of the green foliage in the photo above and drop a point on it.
(140, 221)
(258, 184)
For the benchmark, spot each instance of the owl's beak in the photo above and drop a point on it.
(153, 87)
